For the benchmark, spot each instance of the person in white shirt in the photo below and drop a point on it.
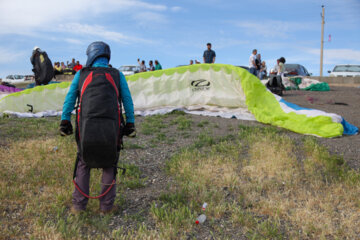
(263, 70)
(142, 65)
(252, 64)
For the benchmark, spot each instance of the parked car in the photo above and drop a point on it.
(244, 67)
(15, 79)
(295, 70)
(128, 70)
(345, 71)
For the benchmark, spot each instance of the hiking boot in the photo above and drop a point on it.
(113, 210)
(74, 211)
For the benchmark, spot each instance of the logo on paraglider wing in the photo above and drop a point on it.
(200, 85)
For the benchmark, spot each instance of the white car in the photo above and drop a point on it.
(345, 71)
(129, 69)
(15, 79)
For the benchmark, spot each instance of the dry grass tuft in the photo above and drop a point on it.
(317, 198)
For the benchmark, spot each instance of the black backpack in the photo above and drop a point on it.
(275, 85)
(99, 119)
(43, 68)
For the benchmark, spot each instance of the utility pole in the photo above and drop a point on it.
(322, 40)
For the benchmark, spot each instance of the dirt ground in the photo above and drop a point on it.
(344, 101)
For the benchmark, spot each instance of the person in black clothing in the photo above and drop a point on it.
(209, 55)
(42, 67)
(151, 66)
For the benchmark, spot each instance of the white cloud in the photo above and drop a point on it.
(228, 42)
(98, 31)
(271, 28)
(73, 41)
(10, 56)
(337, 56)
(23, 16)
(148, 19)
(176, 9)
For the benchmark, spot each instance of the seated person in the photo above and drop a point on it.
(63, 67)
(77, 66)
(57, 69)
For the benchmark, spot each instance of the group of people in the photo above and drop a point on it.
(69, 68)
(257, 67)
(151, 67)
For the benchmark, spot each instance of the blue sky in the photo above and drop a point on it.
(176, 31)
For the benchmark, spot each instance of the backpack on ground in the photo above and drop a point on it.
(99, 120)
(275, 85)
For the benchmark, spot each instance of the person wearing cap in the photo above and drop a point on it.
(98, 56)
(209, 54)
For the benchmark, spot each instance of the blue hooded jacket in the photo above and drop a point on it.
(72, 95)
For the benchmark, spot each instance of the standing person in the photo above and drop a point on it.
(281, 68)
(98, 125)
(42, 67)
(252, 63)
(72, 64)
(258, 62)
(191, 62)
(209, 55)
(151, 66)
(157, 65)
(142, 65)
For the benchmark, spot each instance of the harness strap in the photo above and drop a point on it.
(107, 190)
(96, 197)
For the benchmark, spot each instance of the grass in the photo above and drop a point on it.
(153, 124)
(36, 187)
(255, 185)
(183, 123)
(267, 191)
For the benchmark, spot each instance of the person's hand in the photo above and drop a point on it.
(65, 128)
(129, 130)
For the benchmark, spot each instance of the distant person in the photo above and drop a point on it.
(151, 66)
(142, 65)
(275, 69)
(77, 66)
(42, 67)
(157, 65)
(72, 64)
(263, 70)
(252, 63)
(258, 62)
(62, 65)
(281, 68)
(57, 69)
(197, 62)
(209, 55)
(191, 62)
